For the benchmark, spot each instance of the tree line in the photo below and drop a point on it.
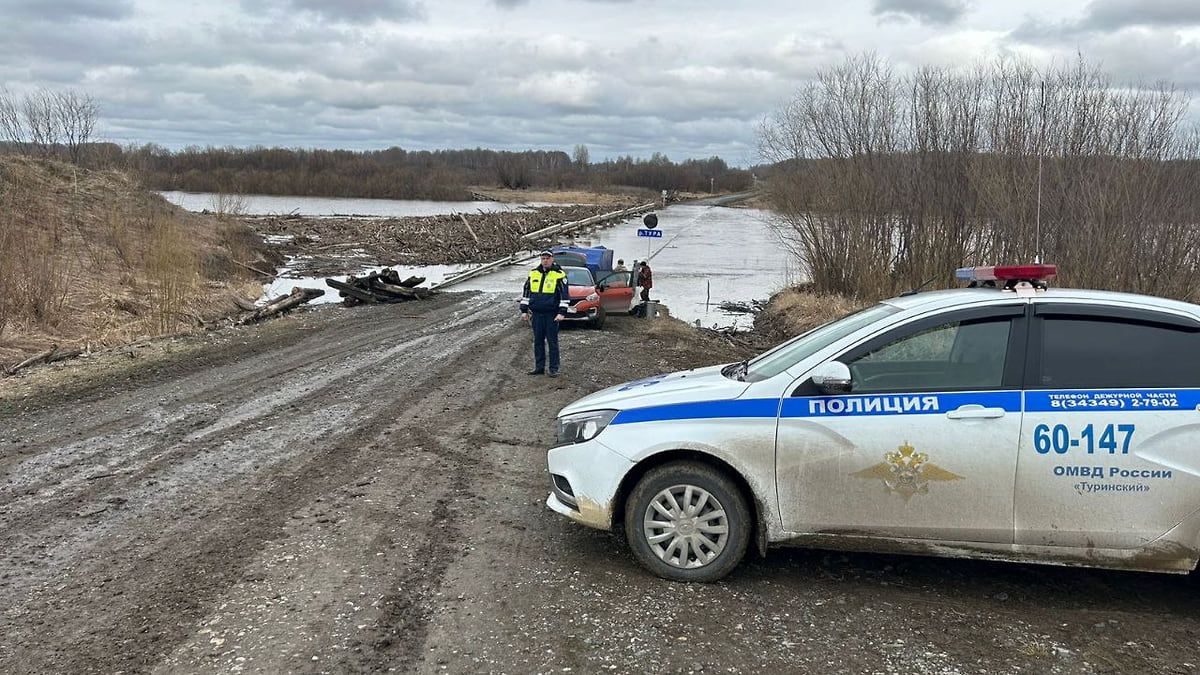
(886, 182)
(396, 173)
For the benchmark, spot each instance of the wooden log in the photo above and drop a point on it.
(37, 358)
(412, 282)
(351, 290)
(468, 226)
(63, 356)
(253, 269)
(393, 290)
(282, 304)
(243, 304)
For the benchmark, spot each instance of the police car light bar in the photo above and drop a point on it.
(1006, 273)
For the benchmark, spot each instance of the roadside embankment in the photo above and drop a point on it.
(89, 259)
(797, 310)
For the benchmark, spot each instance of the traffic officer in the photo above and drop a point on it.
(544, 301)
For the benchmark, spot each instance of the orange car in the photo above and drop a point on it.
(591, 302)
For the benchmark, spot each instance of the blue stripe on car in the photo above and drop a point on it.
(873, 405)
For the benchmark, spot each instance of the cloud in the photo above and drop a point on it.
(1111, 15)
(690, 78)
(350, 11)
(68, 10)
(1133, 55)
(937, 12)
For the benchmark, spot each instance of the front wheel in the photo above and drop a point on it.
(598, 320)
(686, 521)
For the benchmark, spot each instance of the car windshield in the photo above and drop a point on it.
(775, 361)
(579, 276)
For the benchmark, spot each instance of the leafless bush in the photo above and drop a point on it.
(34, 279)
(172, 268)
(228, 205)
(48, 123)
(11, 124)
(888, 182)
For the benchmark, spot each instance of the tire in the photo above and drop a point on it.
(598, 322)
(654, 539)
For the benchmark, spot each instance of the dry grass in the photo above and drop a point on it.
(794, 311)
(88, 259)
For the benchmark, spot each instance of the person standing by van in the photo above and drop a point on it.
(645, 279)
(544, 301)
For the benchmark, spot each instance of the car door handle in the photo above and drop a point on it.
(975, 412)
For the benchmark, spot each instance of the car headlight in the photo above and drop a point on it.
(592, 297)
(583, 426)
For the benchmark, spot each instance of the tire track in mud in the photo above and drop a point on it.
(180, 548)
(403, 626)
(397, 635)
(170, 432)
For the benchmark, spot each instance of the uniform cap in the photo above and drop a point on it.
(547, 253)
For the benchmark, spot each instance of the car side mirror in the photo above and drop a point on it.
(601, 288)
(833, 378)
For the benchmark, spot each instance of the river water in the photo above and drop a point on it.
(707, 254)
(272, 205)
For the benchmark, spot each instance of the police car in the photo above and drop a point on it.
(1005, 421)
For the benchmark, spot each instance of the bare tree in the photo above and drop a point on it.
(11, 122)
(41, 121)
(48, 123)
(885, 183)
(581, 158)
(75, 115)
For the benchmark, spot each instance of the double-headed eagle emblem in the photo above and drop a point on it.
(906, 472)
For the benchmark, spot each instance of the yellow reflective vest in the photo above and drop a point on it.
(546, 291)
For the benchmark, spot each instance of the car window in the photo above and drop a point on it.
(957, 355)
(774, 361)
(617, 280)
(1098, 353)
(578, 276)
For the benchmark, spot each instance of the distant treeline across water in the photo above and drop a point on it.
(396, 173)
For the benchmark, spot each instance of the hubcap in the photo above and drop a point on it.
(685, 526)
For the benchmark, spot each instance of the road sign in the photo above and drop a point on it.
(651, 220)
(654, 234)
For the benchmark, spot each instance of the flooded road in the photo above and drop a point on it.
(707, 255)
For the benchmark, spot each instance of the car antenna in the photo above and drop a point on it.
(918, 288)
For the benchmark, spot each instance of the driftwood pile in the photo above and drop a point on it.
(383, 286)
(421, 240)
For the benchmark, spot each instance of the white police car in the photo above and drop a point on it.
(1005, 421)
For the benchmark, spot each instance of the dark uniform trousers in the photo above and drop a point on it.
(545, 333)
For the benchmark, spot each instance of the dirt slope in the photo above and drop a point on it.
(89, 259)
(362, 491)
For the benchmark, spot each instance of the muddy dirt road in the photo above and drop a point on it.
(362, 491)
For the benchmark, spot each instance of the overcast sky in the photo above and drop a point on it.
(688, 78)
